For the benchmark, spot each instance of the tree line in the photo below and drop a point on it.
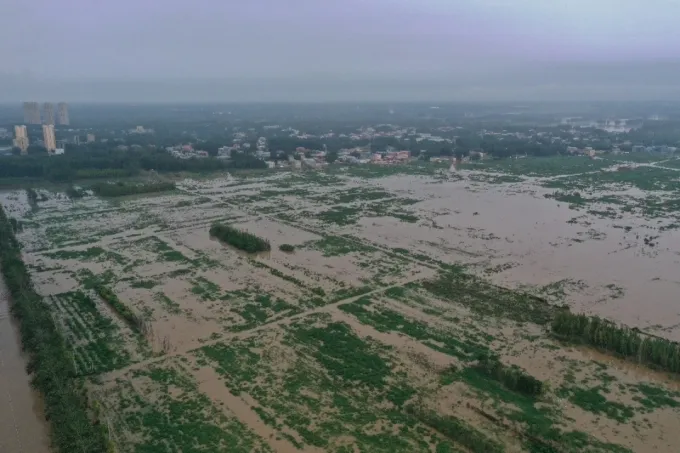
(121, 189)
(621, 340)
(240, 239)
(50, 361)
(79, 164)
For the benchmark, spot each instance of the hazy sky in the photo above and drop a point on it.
(338, 49)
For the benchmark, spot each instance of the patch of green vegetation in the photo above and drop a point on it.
(339, 245)
(316, 402)
(136, 322)
(653, 397)
(147, 284)
(512, 377)
(281, 275)
(352, 291)
(170, 305)
(341, 215)
(381, 171)
(573, 198)
(167, 412)
(540, 423)
(355, 194)
(457, 431)
(96, 340)
(165, 252)
(287, 248)
(256, 308)
(345, 355)
(121, 189)
(240, 239)
(495, 179)
(489, 300)
(90, 254)
(386, 320)
(540, 166)
(592, 400)
(205, 289)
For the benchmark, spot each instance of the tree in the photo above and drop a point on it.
(446, 151)
(331, 156)
(461, 153)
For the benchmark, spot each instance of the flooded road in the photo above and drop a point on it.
(22, 426)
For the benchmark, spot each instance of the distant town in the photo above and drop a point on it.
(310, 140)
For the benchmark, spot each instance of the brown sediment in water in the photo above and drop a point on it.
(22, 422)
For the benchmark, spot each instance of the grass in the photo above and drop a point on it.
(540, 166)
(344, 355)
(95, 339)
(489, 300)
(89, 254)
(341, 215)
(323, 396)
(121, 189)
(385, 320)
(167, 303)
(164, 251)
(168, 413)
(592, 400)
(338, 246)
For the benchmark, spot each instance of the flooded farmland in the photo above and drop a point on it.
(410, 310)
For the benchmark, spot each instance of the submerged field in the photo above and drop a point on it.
(409, 308)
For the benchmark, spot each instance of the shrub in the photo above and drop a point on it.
(287, 248)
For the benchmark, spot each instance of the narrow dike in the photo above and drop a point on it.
(74, 426)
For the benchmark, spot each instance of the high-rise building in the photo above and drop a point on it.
(49, 138)
(31, 113)
(21, 138)
(90, 138)
(62, 114)
(48, 113)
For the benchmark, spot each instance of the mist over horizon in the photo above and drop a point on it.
(373, 51)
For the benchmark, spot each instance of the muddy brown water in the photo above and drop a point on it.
(22, 424)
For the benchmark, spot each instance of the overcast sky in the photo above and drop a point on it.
(176, 50)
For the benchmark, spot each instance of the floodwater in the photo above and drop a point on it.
(22, 425)
(492, 225)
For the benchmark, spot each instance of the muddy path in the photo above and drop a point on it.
(22, 425)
